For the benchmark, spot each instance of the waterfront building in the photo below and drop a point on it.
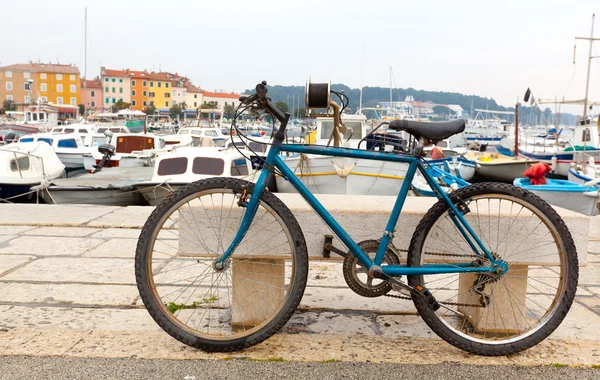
(25, 83)
(116, 85)
(221, 99)
(91, 94)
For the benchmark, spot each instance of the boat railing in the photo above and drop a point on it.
(14, 152)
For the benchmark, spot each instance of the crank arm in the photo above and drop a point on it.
(418, 290)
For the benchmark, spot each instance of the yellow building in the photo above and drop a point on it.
(50, 83)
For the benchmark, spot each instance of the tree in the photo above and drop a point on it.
(228, 111)
(283, 106)
(120, 105)
(175, 111)
(150, 110)
(82, 109)
(9, 105)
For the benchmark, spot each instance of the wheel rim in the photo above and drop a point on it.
(194, 295)
(520, 302)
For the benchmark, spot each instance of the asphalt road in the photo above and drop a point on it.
(15, 368)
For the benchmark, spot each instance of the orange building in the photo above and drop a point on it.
(150, 89)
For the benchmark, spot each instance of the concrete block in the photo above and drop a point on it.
(66, 294)
(124, 248)
(123, 217)
(9, 262)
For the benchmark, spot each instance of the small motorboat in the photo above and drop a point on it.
(582, 198)
(24, 166)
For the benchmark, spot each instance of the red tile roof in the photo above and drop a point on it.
(193, 89)
(52, 68)
(221, 95)
(91, 83)
(114, 73)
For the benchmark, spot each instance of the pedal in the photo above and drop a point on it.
(426, 294)
(328, 248)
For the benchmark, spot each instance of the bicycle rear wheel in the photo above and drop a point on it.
(211, 308)
(489, 314)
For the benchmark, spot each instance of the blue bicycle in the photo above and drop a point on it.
(222, 263)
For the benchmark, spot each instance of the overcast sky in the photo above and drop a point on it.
(494, 49)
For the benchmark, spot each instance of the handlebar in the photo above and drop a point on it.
(262, 101)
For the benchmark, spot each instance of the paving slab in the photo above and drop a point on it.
(9, 262)
(50, 245)
(132, 233)
(590, 274)
(124, 217)
(123, 248)
(61, 231)
(13, 230)
(4, 238)
(76, 269)
(82, 294)
(580, 323)
(51, 215)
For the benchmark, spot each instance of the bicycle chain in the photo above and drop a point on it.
(443, 303)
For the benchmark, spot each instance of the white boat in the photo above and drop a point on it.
(187, 165)
(581, 174)
(27, 165)
(109, 187)
(131, 150)
(70, 148)
(497, 167)
(201, 134)
(565, 194)
(341, 175)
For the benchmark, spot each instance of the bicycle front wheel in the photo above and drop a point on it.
(205, 305)
(489, 313)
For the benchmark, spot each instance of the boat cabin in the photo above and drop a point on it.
(191, 164)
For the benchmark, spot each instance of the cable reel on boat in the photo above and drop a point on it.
(357, 276)
(317, 95)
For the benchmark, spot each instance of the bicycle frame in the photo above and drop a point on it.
(273, 160)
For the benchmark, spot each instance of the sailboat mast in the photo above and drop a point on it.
(390, 86)
(587, 82)
(362, 71)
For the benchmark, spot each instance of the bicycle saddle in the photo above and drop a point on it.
(431, 131)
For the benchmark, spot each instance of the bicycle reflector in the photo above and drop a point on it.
(318, 95)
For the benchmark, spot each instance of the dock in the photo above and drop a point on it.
(67, 288)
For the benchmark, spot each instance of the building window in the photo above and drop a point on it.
(106, 80)
(43, 87)
(121, 90)
(59, 100)
(151, 84)
(195, 104)
(106, 100)
(166, 85)
(133, 103)
(106, 89)
(195, 96)
(73, 88)
(26, 75)
(93, 104)
(133, 83)
(59, 88)
(159, 84)
(72, 77)
(167, 95)
(166, 104)
(145, 103)
(26, 100)
(120, 80)
(8, 74)
(92, 94)
(120, 99)
(8, 86)
(27, 86)
(113, 90)
(114, 100)
(132, 92)
(43, 76)
(59, 77)
(225, 103)
(73, 101)
(151, 94)
(144, 83)
(113, 79)
(145, 93)
(44, 99)
(9, 97)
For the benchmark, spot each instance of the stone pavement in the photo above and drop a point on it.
(67, 288)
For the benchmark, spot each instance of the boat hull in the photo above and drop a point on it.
(93, 196)
(154, 194)
(340, 175)
(565, 194)
(15, 193)
(502, 172)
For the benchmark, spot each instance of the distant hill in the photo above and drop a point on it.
(374, 95)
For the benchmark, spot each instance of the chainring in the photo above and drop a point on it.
(357, 276)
